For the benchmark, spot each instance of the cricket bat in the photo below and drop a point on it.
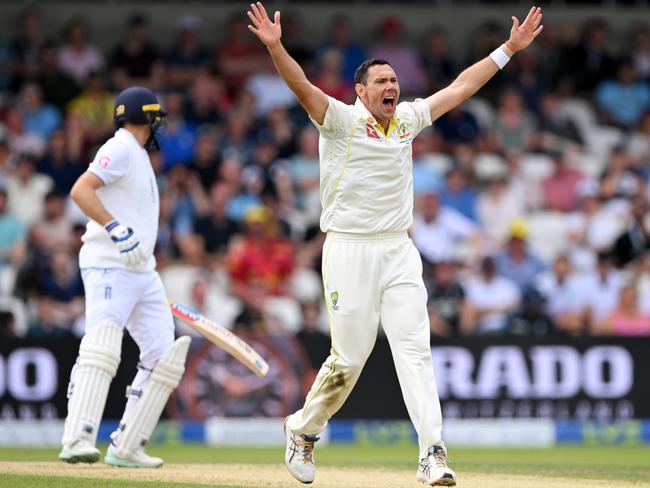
(222, 337)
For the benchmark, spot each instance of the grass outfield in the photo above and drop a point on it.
(608, 463)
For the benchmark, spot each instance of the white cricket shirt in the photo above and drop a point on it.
(366, 176)
(130, 194)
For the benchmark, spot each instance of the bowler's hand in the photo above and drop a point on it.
(268, 32)
(522, 35)
(128, 244)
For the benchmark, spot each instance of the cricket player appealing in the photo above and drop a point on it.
(372, 272)
(119, 195)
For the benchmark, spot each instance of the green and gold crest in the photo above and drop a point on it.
(335, 297)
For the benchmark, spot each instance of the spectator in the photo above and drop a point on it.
(216, 228)
(498, 206)
(446, 299)
(58, 165)
(261, 263)
(269, 90)
(458, 194)
(441, 232)
(39, 119)
(626, 319)
(12, 235)
(622, 178)
(624, 100)
(352, 53)
(20, 141)
(205, 163)
(436, 60)
(187, 55)
(77, 58)
(305, 171)
(58, 88)
(403, 58)
(514, 126)
(562, 294)
(136, 61)
(93, 108)
(490, 299)
(207, 99)
(27, 45)
(516, 262)
(638, 146)
(26, 190)
(640, 50)
(600, 291)
(177, 141)
(557, 131)
(634, 242)
(54, 228)
(560, 189)
(236, 140)
(458, 126)
(330, 78)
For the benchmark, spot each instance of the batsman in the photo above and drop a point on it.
(118, 193)
(372, 272)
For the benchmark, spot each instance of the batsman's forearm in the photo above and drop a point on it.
(290, 71)
(90, 204)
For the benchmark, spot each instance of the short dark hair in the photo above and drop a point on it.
(361, 74)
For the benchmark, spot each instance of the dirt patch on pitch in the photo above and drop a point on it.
(276, 476)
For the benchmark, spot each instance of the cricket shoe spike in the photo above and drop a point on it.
(134, 459)
(81, 451)
(299, 456)
(433, 469)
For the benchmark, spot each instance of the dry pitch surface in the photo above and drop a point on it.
(276, 476)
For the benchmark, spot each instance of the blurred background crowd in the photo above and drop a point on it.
(531, 198)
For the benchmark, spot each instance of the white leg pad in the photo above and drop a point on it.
(142, 420)
(99, 357)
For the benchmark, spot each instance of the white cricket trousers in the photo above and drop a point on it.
(138, 302)
(370, 280)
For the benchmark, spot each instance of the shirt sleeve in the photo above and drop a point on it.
(339, 119)
(417, 115)
(111, 162)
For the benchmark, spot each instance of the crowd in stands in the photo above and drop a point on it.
(531, 198)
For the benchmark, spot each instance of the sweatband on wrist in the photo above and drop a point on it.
(499, 57)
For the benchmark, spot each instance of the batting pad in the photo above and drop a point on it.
(99, 357)
(143, 418)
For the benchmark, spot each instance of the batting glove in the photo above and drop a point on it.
(128, 244)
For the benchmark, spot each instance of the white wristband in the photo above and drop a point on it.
(499, 57)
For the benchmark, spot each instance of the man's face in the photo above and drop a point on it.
(380, 94)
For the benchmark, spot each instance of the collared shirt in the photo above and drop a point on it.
(130, 194)
(366, 182)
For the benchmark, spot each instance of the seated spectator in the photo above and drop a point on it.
(427, 170)
(40, 119)
(557, 131)
(56, 163)
(438, 64)
(497, 207)
(439, 231)
(330, 78)
(207, 101)
(77, 58)
(457, 126)
(177, 140)
(54, 228)
(252, 185)
(626, 319)
(269, 89)
(634, 242)
(305, 173)
(216, 228)
(638, 146)
(622, 178)
(560, 189)
(135, 61)
(20, 141)
(26, 190)
(281, 131)
(262, 262)
(446, 299)
(236, 139)
(516, 262)
(403, 58)
(458, 193)
(352, 53)
(600, 291)
(490, 299)
(514, 126)
(624, 100)
(27, 45)
(562, 296)
(58, 88)
(206, 158)
(12, 235)
(93, 109)
(187, 55)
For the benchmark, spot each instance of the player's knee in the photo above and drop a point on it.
(151, 352)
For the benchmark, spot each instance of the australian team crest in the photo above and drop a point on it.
(335, 299)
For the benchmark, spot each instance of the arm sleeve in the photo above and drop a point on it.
(416, 114)
(111, 162)
(339, 119)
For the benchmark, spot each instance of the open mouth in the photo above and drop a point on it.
(388, 102)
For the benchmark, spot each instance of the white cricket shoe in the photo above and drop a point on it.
(135, 459)
(433, 469)
(299, 456)
(81, 451)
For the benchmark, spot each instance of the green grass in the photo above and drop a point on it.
(21, 481)
(630, 463)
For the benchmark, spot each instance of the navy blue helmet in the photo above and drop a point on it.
(138, 105)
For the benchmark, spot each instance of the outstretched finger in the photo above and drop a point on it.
(253, 19)
(276, 18)
(538, 30)
(262, 9)
(538, 20)
(257, 12)
(530, 14)
(253, 30)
